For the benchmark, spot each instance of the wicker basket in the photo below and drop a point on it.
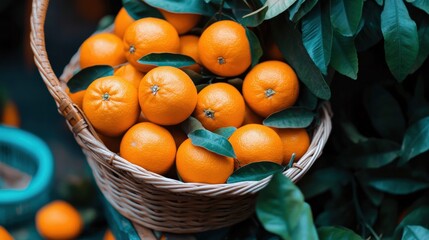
(146, 198)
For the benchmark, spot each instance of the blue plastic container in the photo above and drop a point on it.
(23, 153)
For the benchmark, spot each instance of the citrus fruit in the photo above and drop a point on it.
(255, 143)
(108, 235)
(167, 95)
(220, 105)
(251, 117)
(112, 143)
(178, 134)
(130, 73)
(189, 47)
(224, 48)
(102, 49)
(269, 87)
(122, 21)
(196, 164)
(111, 105)
(149, 146)
(59, 220)
(10, 115)
(76, 97)
(295, 140)
(149, 35)
(182, 22)
(4, 234)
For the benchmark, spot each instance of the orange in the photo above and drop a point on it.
(76, 97)
(109, 235)
(111, 105)
(149, 35)
(130, 73)
(149, 146)
(196, 164)
(4, 234)
(102, 49)
(295, 140)
(112, 143)
(167, 95)
(220, 105)
(255, 143)
(269, 87)
(122, 21)
(189, 47)
(183, 22)
(224, 48)
(59, 220)
(10, 115)
(251, 117)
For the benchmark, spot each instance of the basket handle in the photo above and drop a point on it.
(37, 40)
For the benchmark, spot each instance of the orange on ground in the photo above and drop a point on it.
(182, 22)
(196, 164)
(59, 220)
(4, 234)
(109, 235)
(102, 49)
(149, 146)
(149, 35)
(167, 95)
(251, 117)
(112, 143)
(295, 140)
(224, 48)
(76, 97)
(269, 87)
(256, 143)
(130, 73)
(122, 21)
(220, 105)
(111, 105)
(10, 115)
(189, 47)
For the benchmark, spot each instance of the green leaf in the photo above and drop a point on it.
(138, 9)
(421, 4)
(300, 8)
(352, 132)
(255, 46)
(196, 77)
(423, 32)
(344, 57)
(415, 233)
(273, 8)
(416, 140)
(387, 216)
(243, 13)
(191, 124)
(306, 99)
(379, 2)
(281, 209)
(419, 216)
(288, 39)
(401, 41)
(190, 6)
(398, 186)
(346, 15)
(226, 132)
(105, 22)
(317, 36)
(384, 112)
(294, 117)
(373, 153)
(370, 34)
(212, 142)
(254, 172)
(167, 59)
(81, 80)
(337, 233)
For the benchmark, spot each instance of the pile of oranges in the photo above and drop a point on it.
(137, 112)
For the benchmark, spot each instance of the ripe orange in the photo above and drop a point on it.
(220, 105)
(196, 164)
(102, 49)
(149, 146)
(224, 48)
(4, 234)
(122, 21)
(130, 73)
(167, 95)
(59, 220)
(10, 115)
(109, 235)
(269, 87)
(111, 105)
(251, 117)
(149, 35)
(189, 47)
(295, 140)
(255, 143)
(183, 22)
(76, 97)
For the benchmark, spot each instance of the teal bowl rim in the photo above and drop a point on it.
(40, 151)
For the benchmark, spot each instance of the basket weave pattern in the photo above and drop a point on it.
(146, 198)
